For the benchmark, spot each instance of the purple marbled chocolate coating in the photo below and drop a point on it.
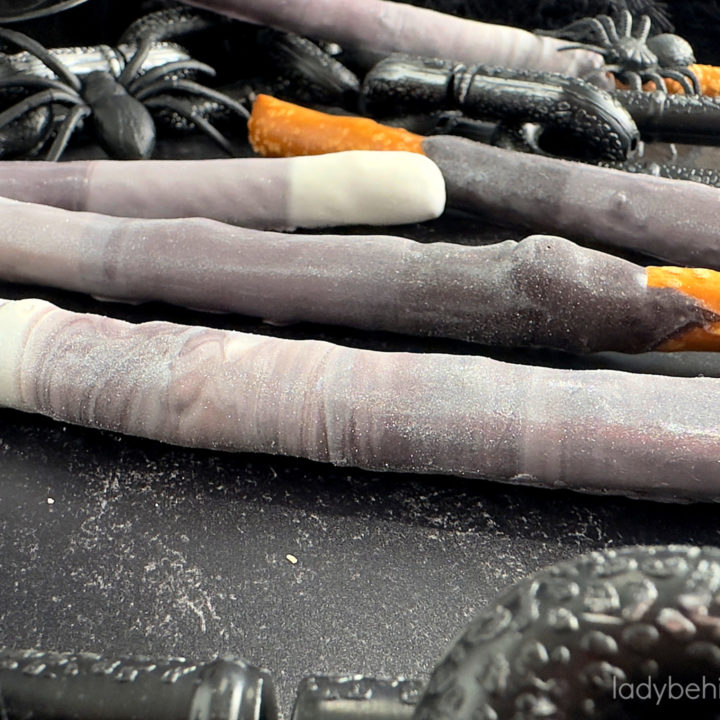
(388, 27)
(600, 431)
(252, 192)
(675, 220)
(542, 291)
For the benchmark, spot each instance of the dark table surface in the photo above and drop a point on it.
(118, 544)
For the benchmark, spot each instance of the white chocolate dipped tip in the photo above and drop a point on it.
(363, 187)
(17, 319)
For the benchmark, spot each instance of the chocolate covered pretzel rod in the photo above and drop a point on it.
(386, 27)
(339, 189)
(542, 291)
(675, 220)
(598, 431)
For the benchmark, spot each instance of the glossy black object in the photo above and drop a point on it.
(576, 119)
(86, 686)
(674, 118)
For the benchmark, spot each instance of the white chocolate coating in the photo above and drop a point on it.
(356, 187)
(16, 321)
(364, 188)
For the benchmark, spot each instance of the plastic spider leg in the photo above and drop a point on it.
(634, 81)
(27, 80)
(694, 79)
(131, 70)
(68, 127)
(583, 46)
(30, 103)
(658, 79)
(193, 88)
(688, 80)
(44, 55)
(158, 73)
(643, 28)
(602, 70)
(620, 29)
(168, 23)
(186, 111)
(610, 32)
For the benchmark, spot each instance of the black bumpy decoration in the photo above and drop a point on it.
(576, 118)
(597, 637)
(573, 640)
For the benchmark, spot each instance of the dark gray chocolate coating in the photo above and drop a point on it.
(250, 192)
(671, 219)
(543, 291)
(388, 27)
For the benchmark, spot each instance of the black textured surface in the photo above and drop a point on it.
(124, 545)
(562, 643)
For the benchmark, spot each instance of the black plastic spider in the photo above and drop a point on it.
(634, 59)
(117, 104)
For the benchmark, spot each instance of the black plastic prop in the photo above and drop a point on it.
(634, 57)
(577, 119)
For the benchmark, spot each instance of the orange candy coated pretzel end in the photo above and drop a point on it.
(701, 284)
(707, 75)
(281, 129)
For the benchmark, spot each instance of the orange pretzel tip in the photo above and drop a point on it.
(281, 129)
(708, 76)
(704, 286)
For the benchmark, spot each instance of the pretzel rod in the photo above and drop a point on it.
(542, 291)
(341, 189)
(708, 76)
(675, 220)
(387, 27)
(600, 431)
